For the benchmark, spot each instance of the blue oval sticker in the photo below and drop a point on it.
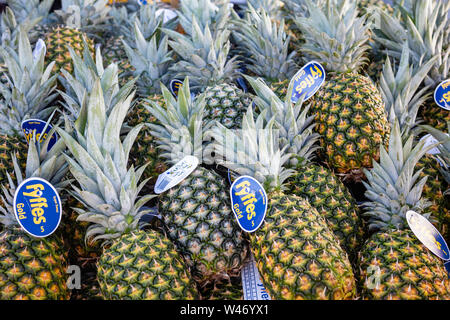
(442, 95)
(37, 207)
(307, 81)
(28, 126)
(249, 203)
(175, 86)
(428, 234)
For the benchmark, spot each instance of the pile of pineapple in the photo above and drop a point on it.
(340, 169)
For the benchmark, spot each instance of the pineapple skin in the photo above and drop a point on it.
(434, 115)
(144, 265)
(226, 104)
(408, 270)
(11, 144)
(32, 268)
(199, 220)
(57, 39)
(298, 256)
(352, 122)
(331, 198)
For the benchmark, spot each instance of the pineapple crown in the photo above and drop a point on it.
(30, 88)
(292, 120)
(254, 150)
(77, 86)
(9, 28)
(98, 161)
(203, 58)
(265, 45)
(25, 10)
(151, 61)
(335, 35)
(298, 8)
(393, 187)
(47, 164)
(89, 16)
(214, 14)
(424, 25)
(270, 6)
(180, 132)
(400, 90)
(148, 18)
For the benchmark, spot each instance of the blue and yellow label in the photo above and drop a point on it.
(442, 94)
(37, 207)
(249, 203)
(307, 81)
(428, 235)
(175, 86)
(28, 126)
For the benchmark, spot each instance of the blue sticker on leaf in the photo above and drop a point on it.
(28, 126)
(249, 203)
(428, 234)
(307, 81)
(442, 95)
(175, 86)
(37, 207)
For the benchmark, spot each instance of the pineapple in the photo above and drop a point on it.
(135, 264)
(406, 269)
(264, 44)
(297, 255)
(424, 25)
(28, 94)
(197, 211)
(32, 268)
(348, 107)
(315, 183)
(204, 59)
(77, 89)
(403, 99)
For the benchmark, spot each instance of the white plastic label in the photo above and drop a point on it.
(176, 174)
(428, 235)
(167, 14)
(40, 45)
(429, 140)
(251, 282)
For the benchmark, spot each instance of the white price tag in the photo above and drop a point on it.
(429, 140)
(251, 282)
(176, 174)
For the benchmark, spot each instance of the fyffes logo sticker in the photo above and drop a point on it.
(37, 207)
(175, 86)
(442, 95)
(249, 203)
(307, 81)
(28, 126)
(428, 235)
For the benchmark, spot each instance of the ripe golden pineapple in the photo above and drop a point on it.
(33, 268)
(394, 264)
(135, 263)
(196, 211)
(297, 255)
(348, 107)
(317, 184)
